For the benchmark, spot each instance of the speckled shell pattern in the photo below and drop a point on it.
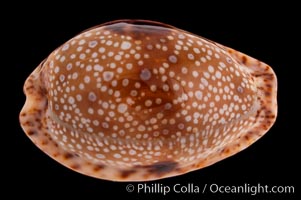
(137, 100)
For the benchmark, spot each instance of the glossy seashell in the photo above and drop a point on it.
(136, 100)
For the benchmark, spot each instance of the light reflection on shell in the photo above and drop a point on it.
(139, 100)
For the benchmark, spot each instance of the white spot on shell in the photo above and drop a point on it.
(122, 108)
(92, 44)
(145, 74)
(65, 47)
(125, 45)
(172, 59)
(199, 95)
(132, 152)
(101, 50)
(125, 82)
(107, 75)
(117, 155)
(92, 96)
(240, 89)
(210, 69)
(71, 100)
(100, 156)
(196, 50)
(98, 67)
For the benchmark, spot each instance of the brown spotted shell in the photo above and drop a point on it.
(140, 100)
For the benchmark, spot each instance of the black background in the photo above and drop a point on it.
(265, 33)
